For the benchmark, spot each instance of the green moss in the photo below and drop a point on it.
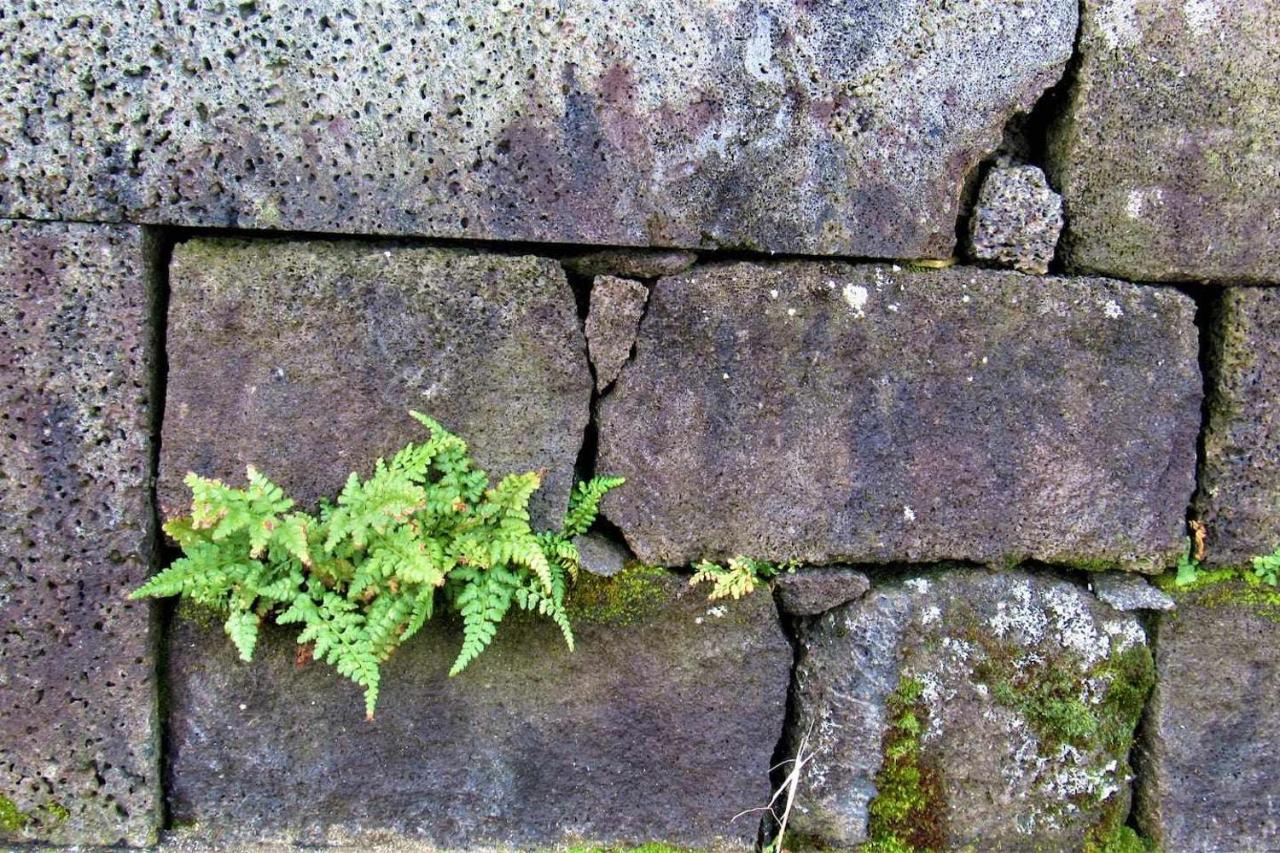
(56, 811)
(1122, 839)
(653, 847)
(909, 811)
(632, 595)
(12, 819)
(1226, 588)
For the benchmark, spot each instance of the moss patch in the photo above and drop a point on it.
(12, 819)
(632, 595)
(1227, 588)
(909, 811)
(652, 847)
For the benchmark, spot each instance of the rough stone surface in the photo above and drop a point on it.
(1017, 220)
(808, 592)
(632, 263)
(1166, 154)
(1239, 497)
(617, 304)
(660, 726)
(303, 359)
(1212, 732)
(801, 127)
(79, 759)
(601, 555)
(988, 653)
(835, 413)
(1129, 592)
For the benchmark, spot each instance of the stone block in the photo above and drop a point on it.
(968, 709)
(1016, 220)
(1166, 151)
(1239, 497)
(1207, 758)
(79, 728)
(796, 127)
(304, 358)
(617, 304)
(660, 726)
(828, 413)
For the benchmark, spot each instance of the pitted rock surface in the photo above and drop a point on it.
(997, 661)
(304, 358)
(661, 724)
(828, 412)
(617, 304)
(1016, 220)
(810, 591)
(799, 127)
(1239, 497)
(1166, 154)
(1129, 592)
(632, 263)
(1212, 731)
(79, 751)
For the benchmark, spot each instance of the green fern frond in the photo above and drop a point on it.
(242, 628)
(359, 577)
(584, 504)
(738, 579)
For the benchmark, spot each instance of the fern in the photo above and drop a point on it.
(739, 578)
(360, 576)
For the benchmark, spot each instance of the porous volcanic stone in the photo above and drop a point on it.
(632, 263)
(1212, 733)
(804, 127)
(1026, 690)
(1239, 497)
(1129, 592)
(1166, 152)
(601, 555)
(810, 591)
(835, 413)
(79, 753)
(661, 725)
(303, 359)
(617, 304)
(1017, 219)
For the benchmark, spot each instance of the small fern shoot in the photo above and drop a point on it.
(739, 578)
(361, 575)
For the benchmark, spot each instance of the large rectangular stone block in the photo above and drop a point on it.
(967, 710)
(660, 726)
(304, 358)
(1239, 497)
(79, 760)
(829, 412)
(1209, 780)
(1166, 153)
(804, 127)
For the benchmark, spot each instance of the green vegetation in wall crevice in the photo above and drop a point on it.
(1257, 588)
(361, 576)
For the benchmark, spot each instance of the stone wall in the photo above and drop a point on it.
(964, 310)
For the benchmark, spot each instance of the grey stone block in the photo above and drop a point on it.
(799, 127)
(617, 304)
(1016, 220)
(998, 709)
(1166, 152)
(827, 412)
(303, 359)
(661, 725)
(1239, 497)
(1207, 760)
(79, 728)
